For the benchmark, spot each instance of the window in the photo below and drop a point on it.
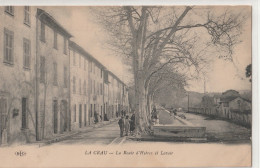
(84, 64)
(55, 42)
(79, 86)
(27, 15)
(42, 32)
(9, 10)
(55, 74)
(8, 46)
(94, 89)
(65, 77)
(75, 113)
(90, 86)
(26, 53)
(42, 69)
(85, 87)
(74, 58)
(24, 113)
(97, 88)
(101, 91)
(74, 84)
(79, 60)
(65, 46)
(90, 66)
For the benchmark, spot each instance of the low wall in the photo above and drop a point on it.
(169, 131)
(243, 119)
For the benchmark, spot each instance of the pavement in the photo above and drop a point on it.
(88, 135)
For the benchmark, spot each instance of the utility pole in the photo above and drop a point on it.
(204, 85)
(188, 101)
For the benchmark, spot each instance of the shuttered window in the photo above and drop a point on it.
(8, 46)
(26, 53)
(27, 15)
(9, 10)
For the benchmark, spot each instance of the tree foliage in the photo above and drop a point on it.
(249, 72)
(169, 45)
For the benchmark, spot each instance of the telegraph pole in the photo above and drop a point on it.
(188, 102)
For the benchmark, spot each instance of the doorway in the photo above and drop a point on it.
(24, 113)
(80, 116)
(55, 116)
(85, 115)
(63, 116)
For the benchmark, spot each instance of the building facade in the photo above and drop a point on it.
(52, 82)
(17, 74)
(49, 84)
(79, 75)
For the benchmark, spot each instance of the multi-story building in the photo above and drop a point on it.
(79, 59)
(52, 82)
(49, 85)
(17, 74)
(117, 95)
(96, 87)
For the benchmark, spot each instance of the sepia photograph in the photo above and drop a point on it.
(126, 86)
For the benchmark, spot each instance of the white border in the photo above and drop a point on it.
(255, 37)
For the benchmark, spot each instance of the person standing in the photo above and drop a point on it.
(132, 123)
(121, 124)
(127, 125)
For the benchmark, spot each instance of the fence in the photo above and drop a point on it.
(237, 117)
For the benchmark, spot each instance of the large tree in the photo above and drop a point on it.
(184, 38)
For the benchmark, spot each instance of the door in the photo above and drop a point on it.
(63, 116)
(55, 116)
(90, 115)
(85, 115)
(3, 115)
(80, 116)
(24, 113)
(101, 112)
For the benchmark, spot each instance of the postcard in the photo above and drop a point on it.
(126, 86)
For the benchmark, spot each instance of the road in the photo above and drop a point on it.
(219, 130)
(216, 131)
(102, 136)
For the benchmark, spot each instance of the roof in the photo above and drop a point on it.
(231, 90)
(116, 77)
(48, 19)
(85, 53)
(231, 98)
(228, 99)
(91, 58)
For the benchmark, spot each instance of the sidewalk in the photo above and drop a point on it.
(67, 135)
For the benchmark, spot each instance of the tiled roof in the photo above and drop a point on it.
(48, 19)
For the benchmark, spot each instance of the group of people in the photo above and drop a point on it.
(173, 111)
(126, 125)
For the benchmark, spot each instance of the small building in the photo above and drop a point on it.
(234, 104)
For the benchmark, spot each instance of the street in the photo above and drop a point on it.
(216, 130)
(219, 131)
(103, 136)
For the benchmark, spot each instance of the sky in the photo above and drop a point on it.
(223, 75)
